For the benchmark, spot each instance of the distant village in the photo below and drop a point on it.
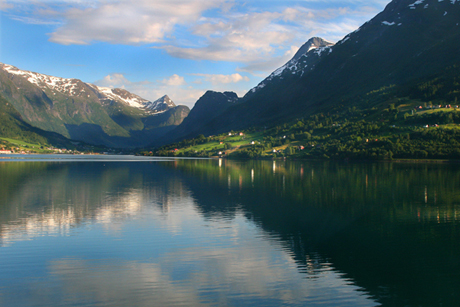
(17, 150)
(53, 150)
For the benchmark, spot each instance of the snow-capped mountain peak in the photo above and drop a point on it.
(162, 104)
(120, 95)
(62, 85)
(305, 58)
(312, 43)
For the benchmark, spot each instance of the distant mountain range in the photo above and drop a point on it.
(86, 112)
(408, 42)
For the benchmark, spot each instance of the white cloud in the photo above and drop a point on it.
(174, 80)
(223, 79)
(241, 38)
(117, 22)
(115, 80)
(267, 65)
(5, 6)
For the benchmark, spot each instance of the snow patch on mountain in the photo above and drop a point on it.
(160, 105)
(412, 6)
(65, 86)
(320, 50)
(315, 47)
(388, 23)
(344, 40)
(122, 96)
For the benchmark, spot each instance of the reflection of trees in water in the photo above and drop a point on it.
(347, 188)
(391, 228)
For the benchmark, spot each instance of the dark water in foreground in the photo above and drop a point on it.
(159, 232)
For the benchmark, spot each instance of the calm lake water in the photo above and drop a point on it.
(130, 231)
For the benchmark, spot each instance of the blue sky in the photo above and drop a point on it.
(176, 47)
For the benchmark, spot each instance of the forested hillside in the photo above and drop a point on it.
(420, 119)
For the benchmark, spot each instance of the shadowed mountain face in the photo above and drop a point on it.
(208, 107)
(85, 112)
(13, 126)
(408, 41)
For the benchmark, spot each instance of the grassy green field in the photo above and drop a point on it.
(18, 145)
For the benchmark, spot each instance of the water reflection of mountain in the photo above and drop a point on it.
(393, 229)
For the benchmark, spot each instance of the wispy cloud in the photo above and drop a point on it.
(174, 80)
(115, 80)
(123, 22)
(35, 21)
(262, 66)
(223, 79)
(238, 38)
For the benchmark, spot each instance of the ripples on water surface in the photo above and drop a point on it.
(105, 231)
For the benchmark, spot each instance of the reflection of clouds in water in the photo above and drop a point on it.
(111, 212)
(55, 222)
(246, 270)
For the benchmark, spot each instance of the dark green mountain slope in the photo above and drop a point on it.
(12, 126)
(408, 41)
(417, 120)
(207, 108)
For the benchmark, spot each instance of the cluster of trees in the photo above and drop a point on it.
(184, 148)
(331, 137)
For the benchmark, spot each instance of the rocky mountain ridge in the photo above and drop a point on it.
(161, 104)
(78, 88)
(304, 59)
